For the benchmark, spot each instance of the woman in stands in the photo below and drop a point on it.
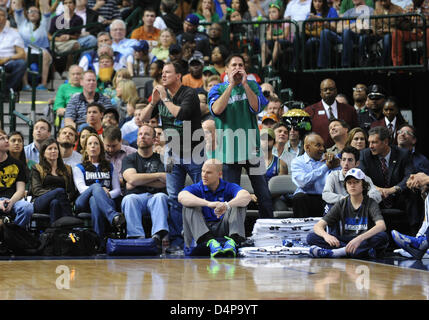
(357, 138)
(52, 186)
(166, 39)
(33, 28)
(16, 148)
(84, 133)
(155, 72)
(98, 186)
(242, 7)
(126, 91)
(206, 13)
(121, 74)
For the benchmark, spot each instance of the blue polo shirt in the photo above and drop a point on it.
(226, 191)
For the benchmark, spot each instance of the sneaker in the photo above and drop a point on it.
(119, 221)
(317, 252)
(417, 247)
(41, 87)
(229, 248)
(215, 248)
(26, 88)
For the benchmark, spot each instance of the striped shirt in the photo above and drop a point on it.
(77, 105)
(108, 11)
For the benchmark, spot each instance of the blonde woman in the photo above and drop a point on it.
(126, 91)
(206, 13)
(121, 74)
(166, 38)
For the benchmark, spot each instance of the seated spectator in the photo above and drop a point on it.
(348, 4)
(319, 10)
(86, 131)
(75, 113)
(275, 106)
(240, 34)
(121, 74)
(12, 54)
(357, 138)
(67, 138)
(218, 58)
(360, 95)
(214, 33)
(274, 165)
(242, 7)
(194, 78)
(351, 33)
(16, 151)
(269, 120)
(12, 191)
(88, 37)
(389, 167)
(162, 50)
(309, 174)
(67, 41)
(208, 71)
(338, 131)
(34, 30)
(52, 186)
(392, 119)
(214, 208)
(298, 124)
(107, 9)
(106, 73)
(155, 72)
(375, 103)
(126, 91)
(210, 82)
(358, 227)
(116, 151)
(282, 144)
(66, 90)
(41, 132)
(98, 186)
(127, 125)
(145, 179)
(159, 144)
(94, 117)
(335, 189)
(410, 32)
(130, 132)
(176, 56)
(142, 59)
(89, 59)
(110, 118)
(206, 13)
(122, 44)
(407, 139)
(147, 31)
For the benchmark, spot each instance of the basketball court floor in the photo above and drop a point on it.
(178, 278)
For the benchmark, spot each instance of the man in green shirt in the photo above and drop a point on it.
(66, 90)
(235, 105)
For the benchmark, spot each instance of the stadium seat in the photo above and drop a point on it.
(281, 186)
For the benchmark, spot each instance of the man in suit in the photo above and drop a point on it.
(327, 109)
(389, 167)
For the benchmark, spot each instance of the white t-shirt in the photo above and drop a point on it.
(297, 10)
(9, 38)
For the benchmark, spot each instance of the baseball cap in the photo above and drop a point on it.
(355, 173)
(376, 91)
(143, 45)
(271, 116)
(192, 19)
(210, 69)
(268, 131)
(197, 57)
(174, 49)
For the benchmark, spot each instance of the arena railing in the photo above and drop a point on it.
(373, 40)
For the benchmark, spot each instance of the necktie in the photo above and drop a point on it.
(331, 114)
(390, 127)
(388, 202)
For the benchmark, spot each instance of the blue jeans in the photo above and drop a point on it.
(175, 183)
(379, 241)
(15, 70)
(95, 200)
(134, 206)
(87, 41)
(232, 173)
(55, 203)
(23, 210)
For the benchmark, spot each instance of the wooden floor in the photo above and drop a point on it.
(200, 279)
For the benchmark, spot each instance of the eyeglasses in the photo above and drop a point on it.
(407, 133)
(359, 89)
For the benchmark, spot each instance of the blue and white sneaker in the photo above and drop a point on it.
(417, 247)
(229, 247)
(215, 248)
(317, 252)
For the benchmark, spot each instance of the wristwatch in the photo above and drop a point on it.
(166, 100)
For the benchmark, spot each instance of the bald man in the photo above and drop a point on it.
(309, 172)
(327, 109)
(214, 208)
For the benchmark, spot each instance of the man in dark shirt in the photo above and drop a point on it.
(12, 186)
(179, 109)
(145, 179)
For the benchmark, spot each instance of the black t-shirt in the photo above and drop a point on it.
(153, 164)
(58, 23)
(189, 114)
(11, 171)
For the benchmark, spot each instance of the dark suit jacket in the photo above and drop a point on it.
(399, 122)
(400, 167)
(320, 122)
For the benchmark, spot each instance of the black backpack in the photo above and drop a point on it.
(68, 237)
(15, 240)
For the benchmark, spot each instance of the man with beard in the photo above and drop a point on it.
(309, 173)
(67, 137)
(41, 132)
